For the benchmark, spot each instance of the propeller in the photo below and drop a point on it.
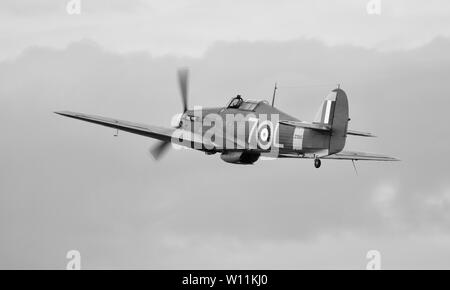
(158, 150)
(183, 80)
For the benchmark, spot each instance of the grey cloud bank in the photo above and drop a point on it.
(69, 185)
(189, 27)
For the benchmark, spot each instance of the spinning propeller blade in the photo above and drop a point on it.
(183, 81)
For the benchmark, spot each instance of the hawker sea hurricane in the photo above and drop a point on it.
(244, 131)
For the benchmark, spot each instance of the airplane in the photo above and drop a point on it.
(245, 131)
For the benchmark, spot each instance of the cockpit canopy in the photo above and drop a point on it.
(239, 103)
(235, 102)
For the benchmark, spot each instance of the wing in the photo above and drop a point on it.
(346, 155)
(351, 155)
(160, 133)
(164, 134)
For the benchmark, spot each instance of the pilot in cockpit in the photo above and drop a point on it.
(235, 102)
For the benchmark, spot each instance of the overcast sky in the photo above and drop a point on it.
(65, 184)
(189, 27)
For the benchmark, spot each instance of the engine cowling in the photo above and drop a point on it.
(243, 157)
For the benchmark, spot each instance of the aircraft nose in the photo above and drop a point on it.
(176, 120)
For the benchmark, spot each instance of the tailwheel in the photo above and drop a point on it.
(317, 162)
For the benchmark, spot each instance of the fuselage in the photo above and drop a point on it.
(258, 122)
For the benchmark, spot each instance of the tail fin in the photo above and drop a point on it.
(334, 113)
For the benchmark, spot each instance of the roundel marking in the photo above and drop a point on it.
(264, 134)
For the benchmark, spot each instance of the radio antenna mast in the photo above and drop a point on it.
(274, 93)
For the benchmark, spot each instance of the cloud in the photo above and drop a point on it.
(66, 184)
(190, 27)
(384, 199)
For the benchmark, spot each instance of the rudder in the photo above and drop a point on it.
(334, 113)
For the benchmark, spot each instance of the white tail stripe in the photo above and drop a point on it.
(327, 112)
(297, 139)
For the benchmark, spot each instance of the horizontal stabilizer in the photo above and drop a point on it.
(323, 128)
(307, 125)
(359, 133)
